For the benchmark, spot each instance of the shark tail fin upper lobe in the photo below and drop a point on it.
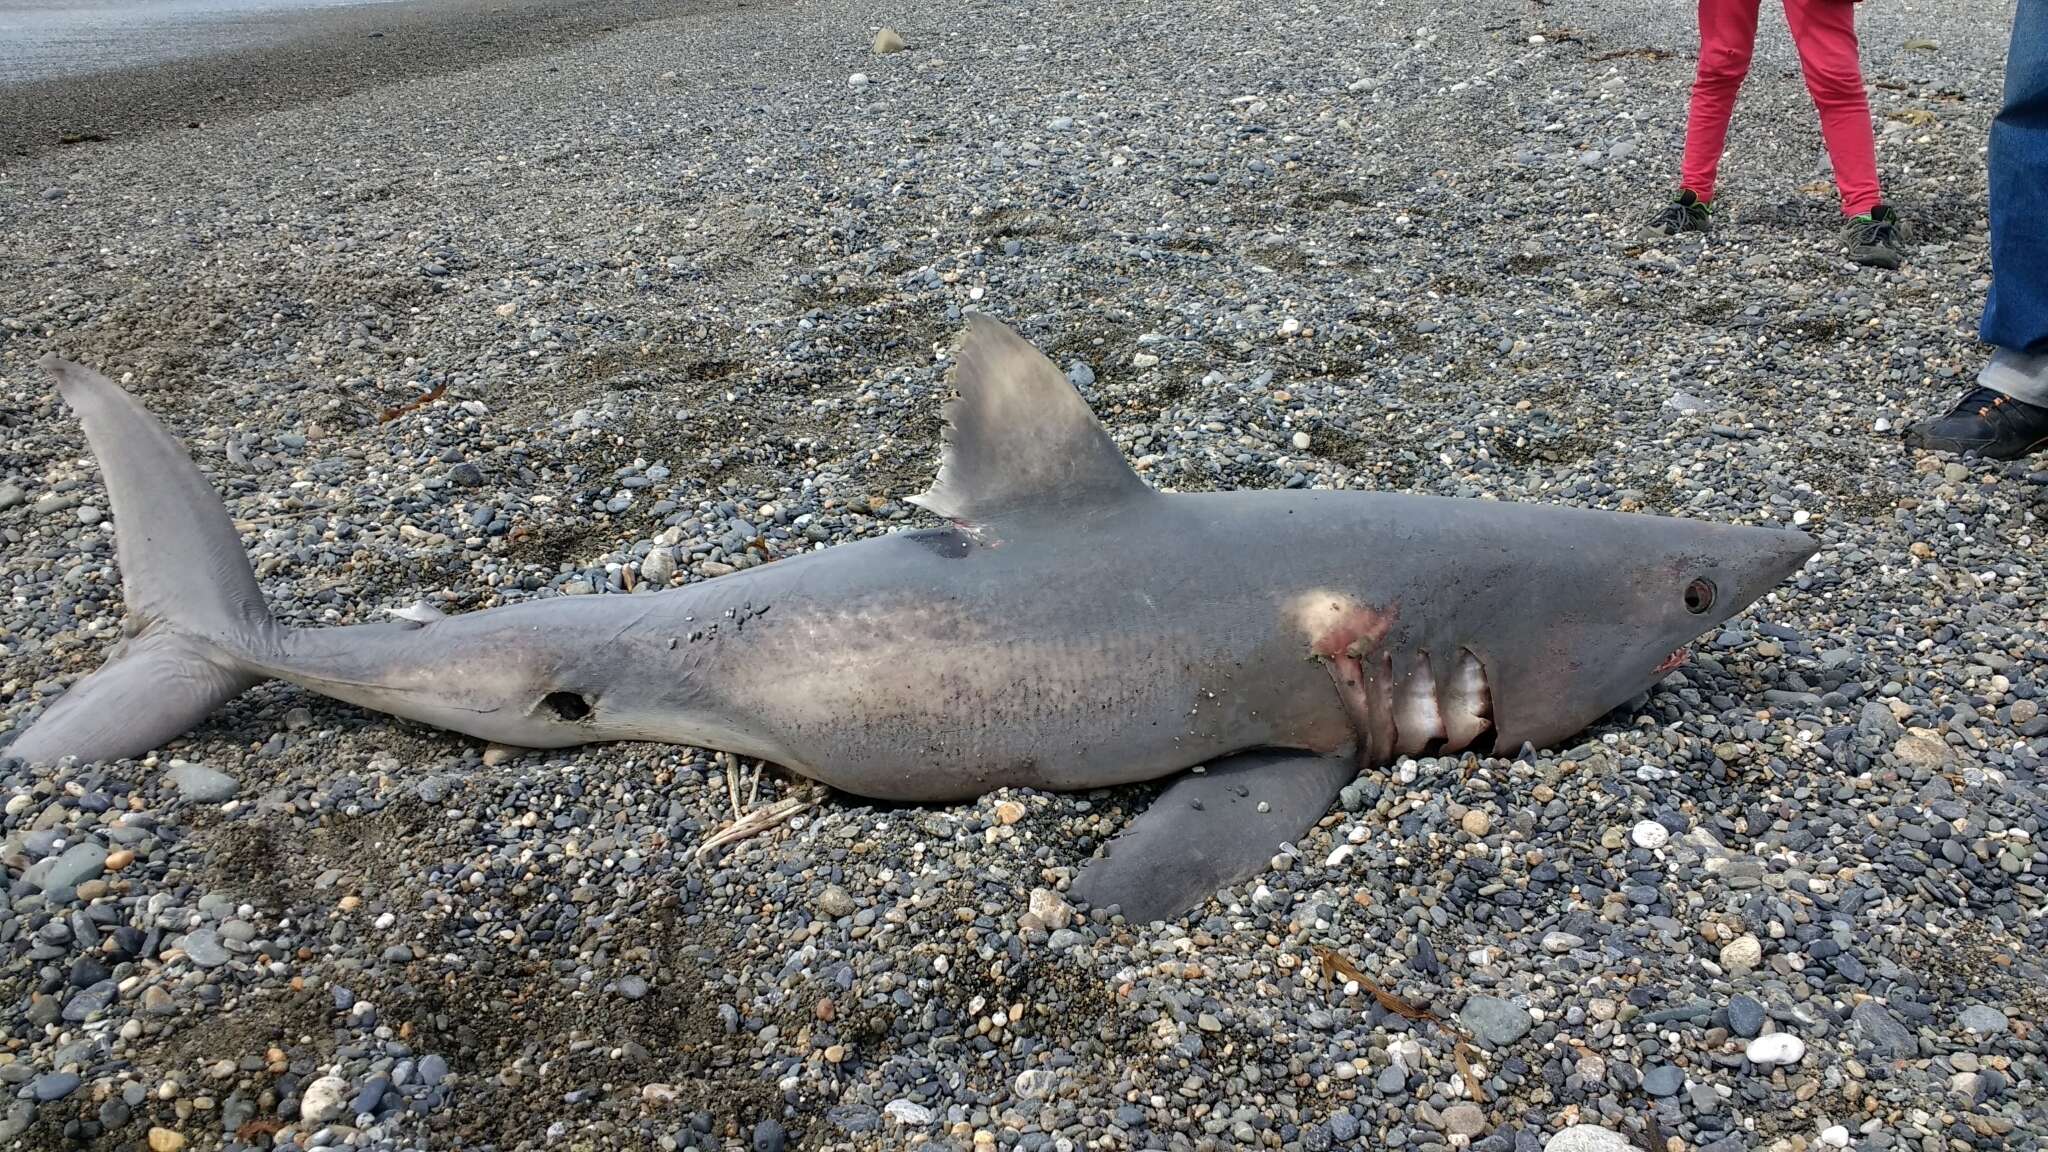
(197, 626)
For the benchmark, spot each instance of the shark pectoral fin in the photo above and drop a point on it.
(1019, 437)
(1210, 830)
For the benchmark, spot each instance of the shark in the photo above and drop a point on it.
(1066, 626)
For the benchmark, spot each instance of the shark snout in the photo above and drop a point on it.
(1763, 558)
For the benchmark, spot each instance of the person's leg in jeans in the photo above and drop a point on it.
(2006, 415)
(1727, 41)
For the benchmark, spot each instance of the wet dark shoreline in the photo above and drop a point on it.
(285, 58)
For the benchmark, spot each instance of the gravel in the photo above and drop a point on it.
(652, 307)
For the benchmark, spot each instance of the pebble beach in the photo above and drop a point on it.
(669, 295)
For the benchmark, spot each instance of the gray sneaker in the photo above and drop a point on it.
(1685, 213)
(1878, 238)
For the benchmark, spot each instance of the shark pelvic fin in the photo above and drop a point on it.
(1020, 438)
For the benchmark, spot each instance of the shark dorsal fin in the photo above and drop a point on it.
(1020, 438)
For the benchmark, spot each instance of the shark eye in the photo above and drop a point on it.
(1699, 596)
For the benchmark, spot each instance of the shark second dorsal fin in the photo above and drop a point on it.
(1020, 438)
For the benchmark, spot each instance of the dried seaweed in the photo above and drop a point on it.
(391, 414)
(1337, 967)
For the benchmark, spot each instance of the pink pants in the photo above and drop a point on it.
(1825, 33)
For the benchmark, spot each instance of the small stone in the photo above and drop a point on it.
(52, 1086)
(203, 947)
(1745, 1017)
(1051, 910)
(1475, 822)
(1921, 749)
(1649, 834)
(1664, 1080)
(1886, 1034)
(1464, 1120)
(202, 785)
(632, 988)
(77, 864)
(165, 1140)
(1144, 360)
(11, 496)
(1835, 1136)
(834, 902)
(1588, 1138)
(658, 1094)
(90, 1002)
(1391, 1081)
(908, 1113)
(768, 1136)
(1559, 943)
(1982, 1019)
(888, 42)
(1036, 1084)
(857, 80)
(120, 859)
(1775, 1049)
(1497, 1022)
(658, 568)
(1742, 955)
(1301, 443)
(1009, 812)
(499, 755)
(322, 1100)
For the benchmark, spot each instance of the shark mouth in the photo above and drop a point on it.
(1398, 708)
(1672, 663)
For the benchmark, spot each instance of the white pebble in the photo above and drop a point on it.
(857, 80)
(1301, 441)
(1835, 1137)
(322, 1100)
(907, 1112)
(1776, 1048)
(1650, 834)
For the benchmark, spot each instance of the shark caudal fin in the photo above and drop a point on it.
(194, 610)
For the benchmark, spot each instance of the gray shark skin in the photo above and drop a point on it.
(1072, 628)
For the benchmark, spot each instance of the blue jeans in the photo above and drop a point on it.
(2016, 315)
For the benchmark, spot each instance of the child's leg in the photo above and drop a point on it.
(1727, 39)
(1825, 31)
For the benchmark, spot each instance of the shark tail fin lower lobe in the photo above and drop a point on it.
(196, 619)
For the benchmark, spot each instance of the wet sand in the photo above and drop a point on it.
(73, 75)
